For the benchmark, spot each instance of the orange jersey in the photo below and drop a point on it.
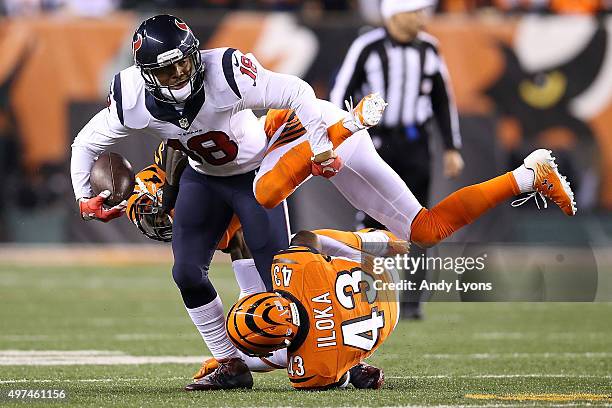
(342, 319)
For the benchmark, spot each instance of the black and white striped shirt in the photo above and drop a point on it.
(412, 78)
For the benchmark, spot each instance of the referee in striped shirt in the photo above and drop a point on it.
(402, 63)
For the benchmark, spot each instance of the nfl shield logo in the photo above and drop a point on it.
(184, 123)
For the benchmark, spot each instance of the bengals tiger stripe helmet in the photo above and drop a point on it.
(144, 207)
(261, 323)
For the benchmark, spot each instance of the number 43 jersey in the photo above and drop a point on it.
(215, 127)
(343, 319)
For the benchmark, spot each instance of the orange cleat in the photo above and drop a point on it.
(208, 366)
(549, 183)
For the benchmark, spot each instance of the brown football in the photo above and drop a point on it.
(114, 173)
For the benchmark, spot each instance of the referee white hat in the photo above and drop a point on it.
(389, 8)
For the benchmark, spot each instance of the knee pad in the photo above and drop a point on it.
(188, 275)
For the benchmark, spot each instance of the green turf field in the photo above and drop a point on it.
(463, 354)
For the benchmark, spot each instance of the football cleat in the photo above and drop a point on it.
(208, 366)
(365, 376)
(548, 182)
(230, 374)
(367, 113)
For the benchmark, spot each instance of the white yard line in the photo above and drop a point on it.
(86, 357)
(120, 337)
(67, 353)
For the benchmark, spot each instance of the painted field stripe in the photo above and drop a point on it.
(68, 353)
(86, 357)
(120, 337)
(110, 360)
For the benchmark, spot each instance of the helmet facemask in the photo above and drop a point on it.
(178, 92)
(147, 214)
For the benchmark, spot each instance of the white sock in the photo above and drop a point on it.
(524, 178)
(247, 277)
(210, 321)
(278, 359)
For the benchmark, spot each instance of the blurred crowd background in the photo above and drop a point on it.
(59, 57)
(365, 7)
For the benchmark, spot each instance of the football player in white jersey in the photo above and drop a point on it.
(200, 102)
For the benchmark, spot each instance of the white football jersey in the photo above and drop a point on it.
(216, 127)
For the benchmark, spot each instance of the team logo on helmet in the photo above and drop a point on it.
(144, 205)
(137, 43)
(181, 25)
(260, 323)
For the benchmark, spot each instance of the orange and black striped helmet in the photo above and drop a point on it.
(261, 323)
(144, 205)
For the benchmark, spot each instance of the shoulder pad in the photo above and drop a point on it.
(219, 80)
(128, 92)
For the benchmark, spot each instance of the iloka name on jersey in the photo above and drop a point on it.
(323, 316)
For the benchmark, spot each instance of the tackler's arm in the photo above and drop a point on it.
(175, 162)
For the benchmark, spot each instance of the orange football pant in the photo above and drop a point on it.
(292, 169)
(460, 208)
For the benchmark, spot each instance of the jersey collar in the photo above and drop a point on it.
(166, 112)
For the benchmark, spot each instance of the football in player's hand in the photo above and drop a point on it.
(114, 173)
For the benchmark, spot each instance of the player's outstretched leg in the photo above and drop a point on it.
(538, 175)
(287, 161)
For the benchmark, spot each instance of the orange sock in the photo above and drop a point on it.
(349, 238)
(461, 208)
(293, 167)
(338, 133)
